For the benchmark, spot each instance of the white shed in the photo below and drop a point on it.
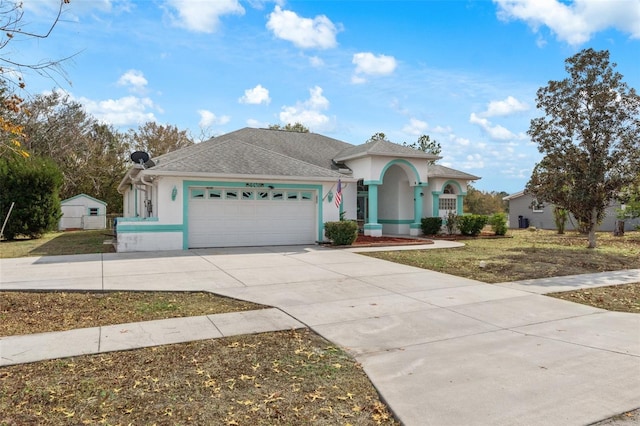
(83, 212)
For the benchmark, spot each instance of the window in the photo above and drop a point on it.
(277, 195)
(292, 195)
(197, 193)
(537, 206)
(93, 211)
(263, 195)
(215, 194)
(247, 195)
(449, 189)
(305, 196)
(448, 204)
(232, 195)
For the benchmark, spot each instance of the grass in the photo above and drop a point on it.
(281, 378)
(39, 312)
(525, 255)
(59, 243)
(292, 377)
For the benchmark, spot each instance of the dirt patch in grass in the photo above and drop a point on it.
(526, 255)
(38, 312)
(620, 298)
(283, 378)
(59, 243)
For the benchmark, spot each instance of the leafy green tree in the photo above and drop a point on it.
(483, 202)
(427, 145)
(91, 156)
(296, 127)
(590, 138)
(157, 139)
(32, 184)
(377, 137)
(13, 29)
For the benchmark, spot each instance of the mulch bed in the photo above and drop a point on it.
(368, 241)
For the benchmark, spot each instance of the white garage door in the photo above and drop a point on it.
(224, 217)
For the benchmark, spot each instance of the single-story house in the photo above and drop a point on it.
(255, 187)
(83, 212)
(525, 211)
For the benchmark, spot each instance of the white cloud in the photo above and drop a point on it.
(508, 106)
(305, 33)
(255, 96)
(442, 129)
(133, 79)
(126, 111)
(369, 64)
(495, 132)
(576, 22)
(308, 112)
(203, 16)
(316, 61)
(415, 127)
(256, 124)
(208, 119)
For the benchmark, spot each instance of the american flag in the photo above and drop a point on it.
(339, 194)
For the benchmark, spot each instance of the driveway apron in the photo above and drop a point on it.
(441, 350)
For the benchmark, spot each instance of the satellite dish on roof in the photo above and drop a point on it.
(139, 157)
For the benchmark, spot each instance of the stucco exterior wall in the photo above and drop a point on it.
(542, 218)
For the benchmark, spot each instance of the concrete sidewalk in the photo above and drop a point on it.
(440, 349)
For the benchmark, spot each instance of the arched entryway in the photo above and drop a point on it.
(393, 203)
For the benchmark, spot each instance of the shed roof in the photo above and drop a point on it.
(75, 197)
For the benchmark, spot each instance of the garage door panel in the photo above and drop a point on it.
(224, 222)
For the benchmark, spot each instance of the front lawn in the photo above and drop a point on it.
(526, 254)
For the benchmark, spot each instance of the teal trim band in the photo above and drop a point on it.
(372, 226)
(459, 206)
(373, 203)
(135, 229)
(186, 184)
(137, 219)
(396, 221)
(436, 203)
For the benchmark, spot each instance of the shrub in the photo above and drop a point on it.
(341, 233)
(472, 224)
(498, 222)
(33, 184)
(431, 225)
(452, 222)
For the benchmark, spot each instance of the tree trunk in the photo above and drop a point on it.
(592, 229)
(618, 230)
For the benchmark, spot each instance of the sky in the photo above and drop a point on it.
(464, 72)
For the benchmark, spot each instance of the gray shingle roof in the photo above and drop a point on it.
(266, 152)
(437, 170)
(381, 147)
(232, 156)
(260, 152)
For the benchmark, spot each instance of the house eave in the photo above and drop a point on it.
(245, 177)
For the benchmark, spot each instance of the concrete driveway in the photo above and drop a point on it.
(441, 350)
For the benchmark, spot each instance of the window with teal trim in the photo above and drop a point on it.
(215, 194)
(247, 195)
(448, 204)
(292, 195)
(306, 196)
(197, 193)
(277, 195)
(263, 195)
